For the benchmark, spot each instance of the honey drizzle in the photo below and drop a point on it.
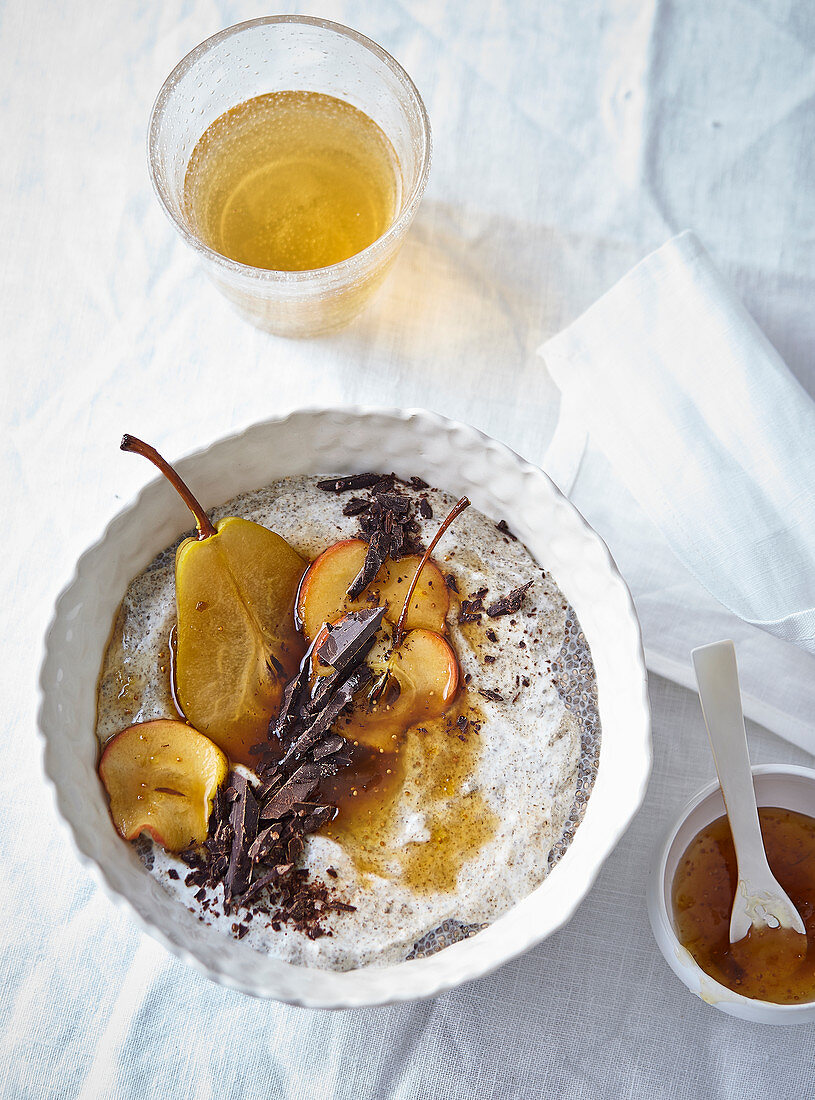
(427, 774)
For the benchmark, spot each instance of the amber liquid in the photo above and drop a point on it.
(292, 181)
(768, 964)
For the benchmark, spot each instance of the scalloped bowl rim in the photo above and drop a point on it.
(529, 920)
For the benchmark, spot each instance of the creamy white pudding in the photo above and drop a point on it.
(477, 806)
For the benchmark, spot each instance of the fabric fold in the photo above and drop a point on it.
(706, 426)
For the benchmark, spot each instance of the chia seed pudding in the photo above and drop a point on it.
(486, 799)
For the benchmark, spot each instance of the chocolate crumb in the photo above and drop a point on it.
(489, 659)
(503, 527)
(451, 582)
(490, 693)
(425, 510)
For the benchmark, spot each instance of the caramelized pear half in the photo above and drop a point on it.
(236, 640)
(161, 778)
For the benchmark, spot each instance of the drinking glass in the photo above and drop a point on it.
(290, 53)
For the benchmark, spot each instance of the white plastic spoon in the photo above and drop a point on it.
(759, 898)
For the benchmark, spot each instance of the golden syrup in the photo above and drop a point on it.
(292, 181)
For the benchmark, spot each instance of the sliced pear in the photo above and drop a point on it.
(235, 594)
(161, 778)
(423, 681)
(323, 596)
(237, 644)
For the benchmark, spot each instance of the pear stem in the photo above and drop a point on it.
(202, 520)
(454, 513)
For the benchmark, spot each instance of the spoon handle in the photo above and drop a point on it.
(718, 680)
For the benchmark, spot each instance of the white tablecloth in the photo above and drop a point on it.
(569, 140)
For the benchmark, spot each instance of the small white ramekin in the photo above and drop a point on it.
(786, 785)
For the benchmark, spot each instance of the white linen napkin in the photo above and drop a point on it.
(708, 429)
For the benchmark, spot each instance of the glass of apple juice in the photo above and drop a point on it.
(292, 154)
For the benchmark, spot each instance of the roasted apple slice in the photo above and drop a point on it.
(323, 598)
(161, 778)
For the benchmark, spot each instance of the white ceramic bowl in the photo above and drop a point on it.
(786, 785)
(454, 457)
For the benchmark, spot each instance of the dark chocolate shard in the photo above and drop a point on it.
(263, 843)
(490, 693)
(470, 611)
(393, 502)
(503, 527)
(293, 790)
(353, 481)
(348, 640)
(257, 887)
(375, 557)
(418, 483)
(291, 701)
(425, 509)
(510, 603)
(451, 582)
(243, 819)
(329, 746)
(322, 723)
(319, 817)
(397, 546)
(386, 483)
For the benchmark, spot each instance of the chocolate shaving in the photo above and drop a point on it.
(471, 610)
(329, 747)
(393, 502)
(300, 786)
(348, 641)
(355, 506)
(374, 560)
(418, 483)
(510, 603)
(243, 820)
(385, 484)
(451, 582)
(337, 703)
(353, 481)
(489, 693)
